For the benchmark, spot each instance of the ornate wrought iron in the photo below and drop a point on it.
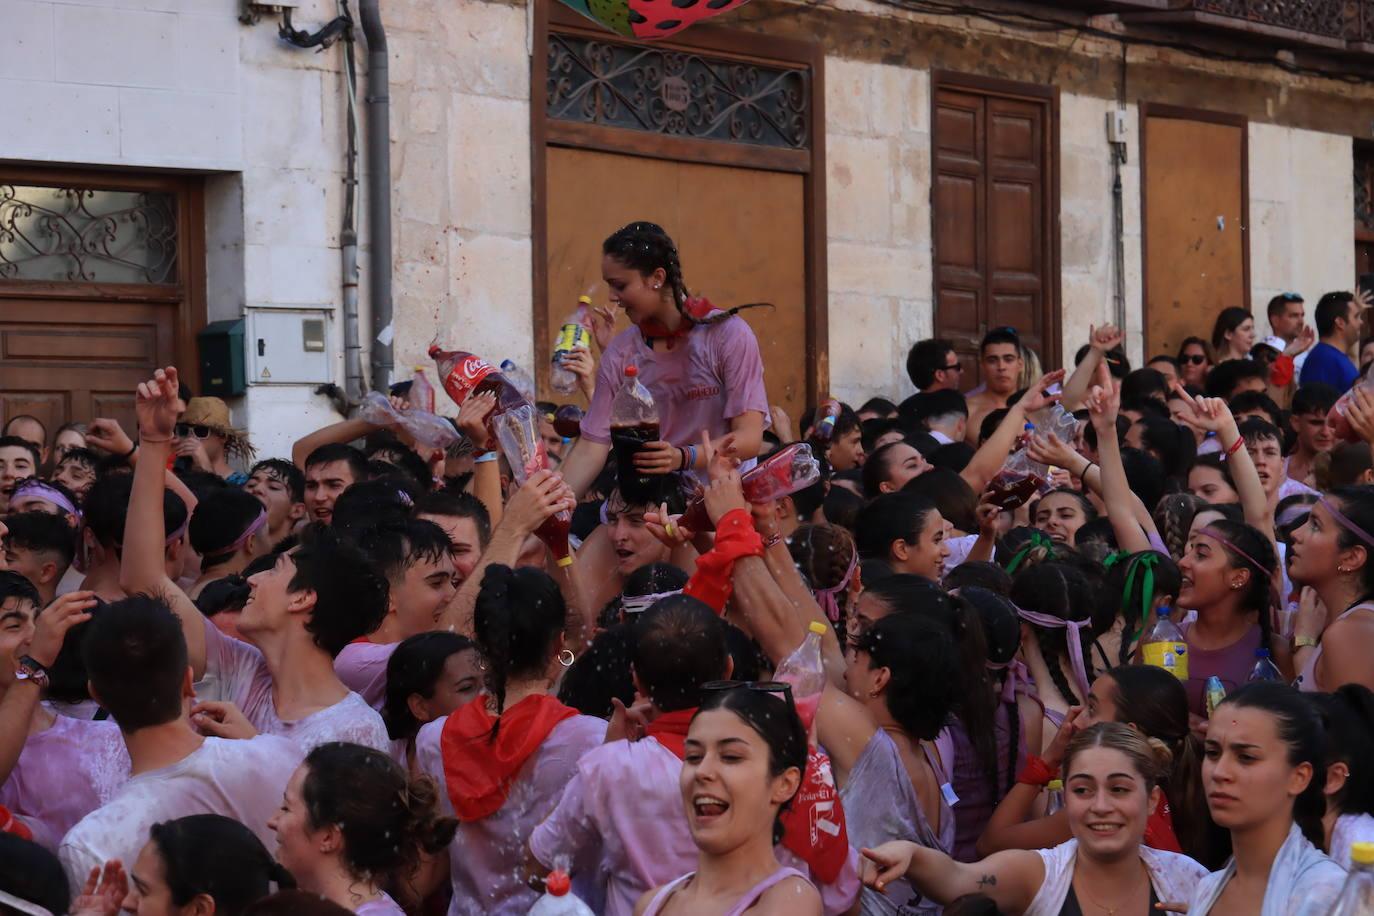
(87, 235)
(1364, 188)
(676, 93)
(1315, 17)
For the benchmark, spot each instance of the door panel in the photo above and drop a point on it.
(739, 232)
(73, 360)
(993, 231)
(1194, 199)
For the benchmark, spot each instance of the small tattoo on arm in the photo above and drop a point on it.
(987, 881)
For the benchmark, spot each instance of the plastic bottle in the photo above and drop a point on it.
(781, 474)
(826, 415)
(421, 396)
(1357, 896)
(1055, 800)
(1020, 478)
(634, 422)
(519, 378)
(1164, 647)
(1264, 669)
(567, 421)
(427, 429)
(805, 672)
(558, 899)
(1055, 419)
(1336, 415)
(572, 335)
(464, 374)
(1215, 694)
(517, 432)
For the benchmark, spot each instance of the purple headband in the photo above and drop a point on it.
(179, 532)
(37, 488)
(1346, 523)
(1215, 535)
(1080, 672)
(825, 597)
(248, 533)
(1018, 679)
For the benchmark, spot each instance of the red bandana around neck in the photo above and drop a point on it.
(695, 309)
(478, 770)
(670, 730)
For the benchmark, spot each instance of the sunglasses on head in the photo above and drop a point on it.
(1196, 359)
(777, 688)
(187, 430)
(1290, 297)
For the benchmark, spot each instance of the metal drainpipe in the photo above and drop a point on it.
(378, 155)
(348, 236)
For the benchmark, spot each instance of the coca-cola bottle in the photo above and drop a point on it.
(567, 421)
(1336, 416)
(464, 374)
(421, 394)
(1020, 478)
(634, 423)
(826, 415)
(517, 431)
(780, 474)
(572, 335)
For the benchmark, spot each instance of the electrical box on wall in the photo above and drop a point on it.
(221, 358)
(288, 347)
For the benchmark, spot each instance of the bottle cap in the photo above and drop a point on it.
(1163, 611)
(818, 628)
(631, 371)
(585, 300)
(1028, 426)
(1056, 785)
(1362, 853)
(1261, 653)
(558, 883)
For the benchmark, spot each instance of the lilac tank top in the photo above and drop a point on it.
(1230, 663)
(977, 798)
(750, 897)
(1307, 679)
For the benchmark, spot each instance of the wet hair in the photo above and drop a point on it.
(1144, 384)
(227, 594)
(1348, 713)
(135, 656)
(351, 597)
(39, 483)
(900, 516)
(776, 723)
(881, 406)
(1258, 594)
(13, 585)
(925, 358)
(1348, 462)
(679, 645)
(808, 500)
(1122, 594)
(1000, 336)
(1357, 504)
(42, 532)
(981, 574)
(395, 546)
(216, 856)
(1330, 307)
(218, 521)
(991, 421)
(1292, 513)
(1302, 731)
(16, 442)
(338, 451)
(381, 500)
(386, 818)
(1254, 430)
(78, 455)
(1059, 590)
(924, 663)
(600, 672)
(649, 579)
(1226, 376)
(107, 506)
(415, 667)
(1095, 539)
(823, 554)
(286, 472)
(33, 874)
(1031, 545)
(518, 618)
(457, 504)
(950, 493)
(1150, 756)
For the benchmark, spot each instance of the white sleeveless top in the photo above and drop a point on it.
(1174, 876)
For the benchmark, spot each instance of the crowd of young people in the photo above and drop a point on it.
(356, 680)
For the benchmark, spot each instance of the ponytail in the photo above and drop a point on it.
(517, 619)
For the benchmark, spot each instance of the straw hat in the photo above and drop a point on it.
(214, 413)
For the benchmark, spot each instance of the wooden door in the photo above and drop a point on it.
(102, 280)
(740, 234)
(1195, 208)
(994, 213)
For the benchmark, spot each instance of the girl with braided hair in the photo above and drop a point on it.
(701, 364)
(503, 759)
(1055, 601)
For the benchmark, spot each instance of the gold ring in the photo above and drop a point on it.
(671, 529)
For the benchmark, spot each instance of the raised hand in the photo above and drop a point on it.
(724, 495)
(1037, 396)
(221, 720)
(158, 405)
(666, 528)
(582, 364)
(52, 625)
(472, 419)
(1105, 338)
(1306, 338)
(1359, 411)
(603, 326)
(1051, 450)
(109, 436)
(543, 495)
(1207, 414)
(104, 892)
(1104, 401)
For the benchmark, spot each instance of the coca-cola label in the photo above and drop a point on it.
(466, 374)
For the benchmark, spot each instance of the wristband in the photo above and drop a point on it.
(682, 458)
(31, 669)
(1240, 440)
(130, 453)
(692, 460)
(484, 458)
(1303, 642)
(1037, 772)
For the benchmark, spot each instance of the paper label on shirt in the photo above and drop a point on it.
(951, 798)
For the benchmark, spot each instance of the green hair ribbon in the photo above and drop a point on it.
(1038, 538)
(1146, 560)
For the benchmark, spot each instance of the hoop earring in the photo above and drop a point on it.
(566, 658)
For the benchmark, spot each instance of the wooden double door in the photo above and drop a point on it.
(994, 203)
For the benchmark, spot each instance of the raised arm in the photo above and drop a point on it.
(1123, 506)
(343, 431)
(1010, 878)
(1100, 340)
(990, 457)
(142, 565)
(486, 474)
(1213, 415)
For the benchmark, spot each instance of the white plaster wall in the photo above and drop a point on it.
(1302, 197)
(878, 222)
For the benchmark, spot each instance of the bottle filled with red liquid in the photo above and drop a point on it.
(780, 474)
(634, 424)
(567, 421)
(826, 415)
(1020, 478)
(464, 374)
(1336, 415)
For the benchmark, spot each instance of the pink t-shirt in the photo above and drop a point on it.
(362, 668)
(244, 679)
(486, 855)
(63, 774)
(712, 376)
(241, 779)
(382, 906)
(623, 806)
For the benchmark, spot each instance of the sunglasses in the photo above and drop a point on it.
(1290, 297)
(199, 430)
(1197, 359)
(957, 367)
(777, 688)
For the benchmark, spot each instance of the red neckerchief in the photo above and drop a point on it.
(693, 310)
(1159, 829)
(670, 730)
(478, 770)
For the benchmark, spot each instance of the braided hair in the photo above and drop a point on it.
(1173, 517)
(822, 553)
(646, 247)
(518, 617)
(1063, 591)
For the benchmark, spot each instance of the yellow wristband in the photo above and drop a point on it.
(1303, 642)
